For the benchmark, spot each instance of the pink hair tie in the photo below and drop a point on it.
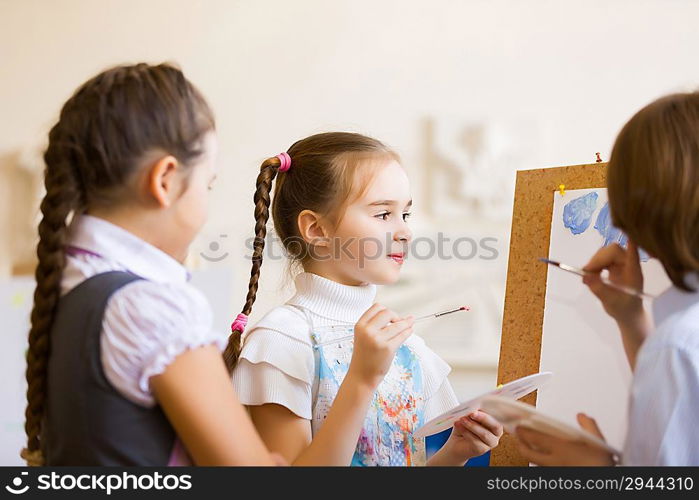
(239, 324)
(285, 160)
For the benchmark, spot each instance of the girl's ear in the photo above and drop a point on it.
(312, 229)
(163, 185)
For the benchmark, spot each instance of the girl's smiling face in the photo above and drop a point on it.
(370, 242)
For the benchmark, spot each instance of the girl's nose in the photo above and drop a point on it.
(404, 234)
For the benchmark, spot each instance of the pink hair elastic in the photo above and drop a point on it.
(239, 324)
(285, 160)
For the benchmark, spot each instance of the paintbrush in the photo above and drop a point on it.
(606, 281)
(421, 318)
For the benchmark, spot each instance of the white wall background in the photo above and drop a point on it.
(560, 77)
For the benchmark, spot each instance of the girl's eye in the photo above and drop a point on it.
(383, 216)
(407, 216)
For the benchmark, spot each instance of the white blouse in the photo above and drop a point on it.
(665, 389)
(277, 363)
(147, 323)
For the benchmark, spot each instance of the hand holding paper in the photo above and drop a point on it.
(547, 450)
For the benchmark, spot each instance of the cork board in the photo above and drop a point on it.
(525, 294)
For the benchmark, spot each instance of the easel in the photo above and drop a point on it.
(520, 345)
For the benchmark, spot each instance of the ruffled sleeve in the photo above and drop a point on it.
(146, 326)
(277, 363)
(439, 395)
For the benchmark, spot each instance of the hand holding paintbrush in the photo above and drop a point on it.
(606, 281)
(421, 318)
(626, 308)
(624, 264)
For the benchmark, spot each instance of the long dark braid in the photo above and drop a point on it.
(62, 198)
(262, 200)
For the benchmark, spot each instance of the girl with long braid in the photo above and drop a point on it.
(340, 207)
(121, 345)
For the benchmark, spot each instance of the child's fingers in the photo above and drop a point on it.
(279, 460)
(535, 439)
(589, 424)
(532, 455)
(370, 313)
(600, 289)
(594, 283)
(488, 422)
(399, 338)
(633, 264)
(393, 329)
(382, 318)
(521, 438)
(633, 256)
(463, 431)
(605, 257)
(481, 432)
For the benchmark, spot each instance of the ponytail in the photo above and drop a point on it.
(268, 171)
(62, 198)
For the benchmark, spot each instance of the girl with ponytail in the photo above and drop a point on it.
(120, 345)
(340, 206)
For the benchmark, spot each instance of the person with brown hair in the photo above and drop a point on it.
(329, 378)
(121, 345)
(653, 186)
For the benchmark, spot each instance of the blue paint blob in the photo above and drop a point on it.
(577, 214)
(612, 234)
(605, 227)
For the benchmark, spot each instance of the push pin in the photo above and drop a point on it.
(599, 158)
(562, 189)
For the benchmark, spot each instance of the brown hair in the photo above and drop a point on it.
(323, 178)
(653, 183)
(103, 134)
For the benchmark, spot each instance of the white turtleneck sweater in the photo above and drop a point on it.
(277, 364)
